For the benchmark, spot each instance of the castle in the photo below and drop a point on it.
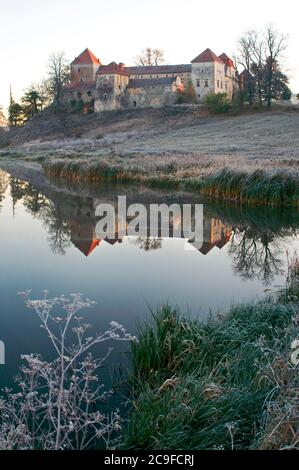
(114, 86)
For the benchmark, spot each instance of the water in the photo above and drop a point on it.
(47, 241)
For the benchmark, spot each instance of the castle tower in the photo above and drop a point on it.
(208, 74)
(230, 75)
(84, 67)
(111, 83)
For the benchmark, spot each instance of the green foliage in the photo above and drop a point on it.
(80, 106)
(188, 95)
(286, 94)
(32, 103)
(205, 385)
(253, 188)
(15, 114)
(218, 103)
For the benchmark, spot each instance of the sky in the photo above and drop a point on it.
(116, 30)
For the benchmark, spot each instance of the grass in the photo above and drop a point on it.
(224, 384)
(255, 188)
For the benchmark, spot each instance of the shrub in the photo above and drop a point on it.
(80, 106)
(286, 94)
(188, 95)
(218, 103)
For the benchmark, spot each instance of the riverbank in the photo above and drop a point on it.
(229, 383)
(251, 158)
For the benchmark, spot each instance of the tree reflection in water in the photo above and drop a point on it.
(256, 238)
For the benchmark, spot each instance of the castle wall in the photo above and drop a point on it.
(208, 77)
(154, 97)
(110, 90)
(83, 73)
(185, 76)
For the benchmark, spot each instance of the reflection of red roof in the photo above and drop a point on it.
(208, 246)
(206, 56)
(86, 58)
(227, 60)
(87, 247)
(112, 68)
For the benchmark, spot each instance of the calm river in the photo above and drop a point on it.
(48, 241)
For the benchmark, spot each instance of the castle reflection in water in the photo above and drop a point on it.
(256, 237)
(82, 223)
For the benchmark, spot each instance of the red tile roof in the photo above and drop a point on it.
(227, 60)
(86, 58)
(112, 68)
(206, 56)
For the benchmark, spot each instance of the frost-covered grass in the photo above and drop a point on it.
(257, 187)
(230, 383)
(220, 156)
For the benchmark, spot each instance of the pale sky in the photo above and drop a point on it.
(30, 30)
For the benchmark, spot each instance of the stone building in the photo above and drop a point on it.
(99, 87)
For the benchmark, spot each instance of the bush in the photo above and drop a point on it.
(80, 106)
(286, 94)
(188, 95)
(218, 103)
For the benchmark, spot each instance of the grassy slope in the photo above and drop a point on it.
(251, 158)
(223, 384)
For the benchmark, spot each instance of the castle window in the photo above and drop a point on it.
(134, 104)
(89, 93)
(217, 83)
(198, 83)
(221, 84)
(119, 87)
(81, 79)
(105, 96)
(136, 76)
(206, 83)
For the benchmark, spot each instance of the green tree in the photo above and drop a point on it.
(32, 103)
(278, 88)
(15, 114)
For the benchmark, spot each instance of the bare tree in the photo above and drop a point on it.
(150, 57)
(245, 59)
(59, 75)
(275, 46)
(258, 58)
(58, 404)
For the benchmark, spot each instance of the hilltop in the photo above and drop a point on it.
(168, 146)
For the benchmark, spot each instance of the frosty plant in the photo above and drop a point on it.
(57, 404)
